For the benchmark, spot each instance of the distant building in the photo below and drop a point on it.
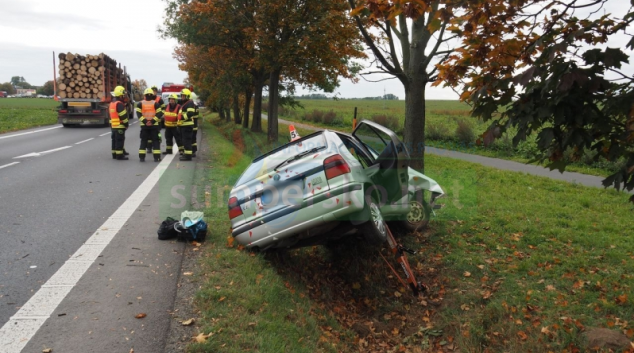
(25, 92)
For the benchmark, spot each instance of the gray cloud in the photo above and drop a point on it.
(19, 15)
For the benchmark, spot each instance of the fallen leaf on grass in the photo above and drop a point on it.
(550, 287)
(188, 322)
(522, 335)
(397, 294)
(222, 298)
(201, 338)
(356, 285)
(230, 241)
(195, 243)
(141, 315)
(467, 274)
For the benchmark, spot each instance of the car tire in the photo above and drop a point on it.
(375, 229)
(419, 214)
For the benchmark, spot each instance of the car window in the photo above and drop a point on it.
(265, 165)
(374, 140)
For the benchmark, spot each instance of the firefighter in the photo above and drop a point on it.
(150, 114)
(170, 118)
(186, 120)
(158, 99)
(118, 123)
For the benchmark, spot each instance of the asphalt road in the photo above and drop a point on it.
(57, 188)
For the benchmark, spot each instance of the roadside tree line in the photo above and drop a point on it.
(526, 66)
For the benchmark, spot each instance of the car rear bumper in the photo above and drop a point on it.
(343, 203)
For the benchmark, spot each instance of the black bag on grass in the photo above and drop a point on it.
(166, 230)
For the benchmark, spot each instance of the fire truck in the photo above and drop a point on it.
(169, 88)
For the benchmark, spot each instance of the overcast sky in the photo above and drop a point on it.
(126, 30)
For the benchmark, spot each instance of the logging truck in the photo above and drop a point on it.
(84, 88)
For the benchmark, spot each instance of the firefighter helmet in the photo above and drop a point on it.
(148, 91)
(118, 91)
(185, 92)
(173, 96)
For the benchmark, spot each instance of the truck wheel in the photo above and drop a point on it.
(67, 125)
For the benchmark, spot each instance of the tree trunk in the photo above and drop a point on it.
(414, 129)
(236, 110)
(247, 107)
(221, 113)
(256, 125)
(274, 89)
(228, 114)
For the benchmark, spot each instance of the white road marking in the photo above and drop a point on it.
(80, 142)
(38, 154)
(107, 133)
(55, 150)
(29, 132)
(21, 327)
(34, 154)
(8, 165)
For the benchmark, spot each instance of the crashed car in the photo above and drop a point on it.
(328, 185)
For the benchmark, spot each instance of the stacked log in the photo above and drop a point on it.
(87, 76)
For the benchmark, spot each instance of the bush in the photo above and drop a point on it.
(464, 133)
(437, 132)
(331, 118)
(317, 116)
(389, 121)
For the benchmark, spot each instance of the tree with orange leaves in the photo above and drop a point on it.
(407, 39)
(554, 69)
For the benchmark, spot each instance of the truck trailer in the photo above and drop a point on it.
(84, 88)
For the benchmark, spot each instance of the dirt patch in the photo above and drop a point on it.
(352, 283)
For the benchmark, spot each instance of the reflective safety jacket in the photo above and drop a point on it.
(170, 114)
(118, 115)
(149, 111)
(187, 113)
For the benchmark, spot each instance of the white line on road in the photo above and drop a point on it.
(107, 133)
(29, 132)
(8, 165)
(18, 331)
(80, 142)
(55, 149)
(38, 154)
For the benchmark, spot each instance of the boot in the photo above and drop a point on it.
(167, 152)
(122, 157)
(186, 157)
(114, 156)
(125, 153)
(141, 157)
(157, 158)
(194, 155)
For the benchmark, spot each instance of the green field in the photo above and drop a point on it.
(515, 263)
(448, 125)
(24, 113)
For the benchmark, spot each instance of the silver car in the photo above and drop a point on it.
(328, 185)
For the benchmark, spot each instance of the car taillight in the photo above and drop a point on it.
(63, 111)
(96, 111)
(234, 208)
(335, 166)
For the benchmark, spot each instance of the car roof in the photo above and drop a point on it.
(287, 144)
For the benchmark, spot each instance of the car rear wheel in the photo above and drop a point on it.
(418, 216)
(375, 229)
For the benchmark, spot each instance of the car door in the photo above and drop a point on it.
(390, 160)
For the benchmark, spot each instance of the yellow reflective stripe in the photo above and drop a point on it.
(191, 109)
(124, 112)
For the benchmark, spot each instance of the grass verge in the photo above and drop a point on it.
(514, 263)
(23, 113)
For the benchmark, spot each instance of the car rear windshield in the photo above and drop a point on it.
(265, 164)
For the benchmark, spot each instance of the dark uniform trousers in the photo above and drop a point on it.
(150, 133)
(172, 133)
(118, 139)
(195, 136)
(187, 134)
